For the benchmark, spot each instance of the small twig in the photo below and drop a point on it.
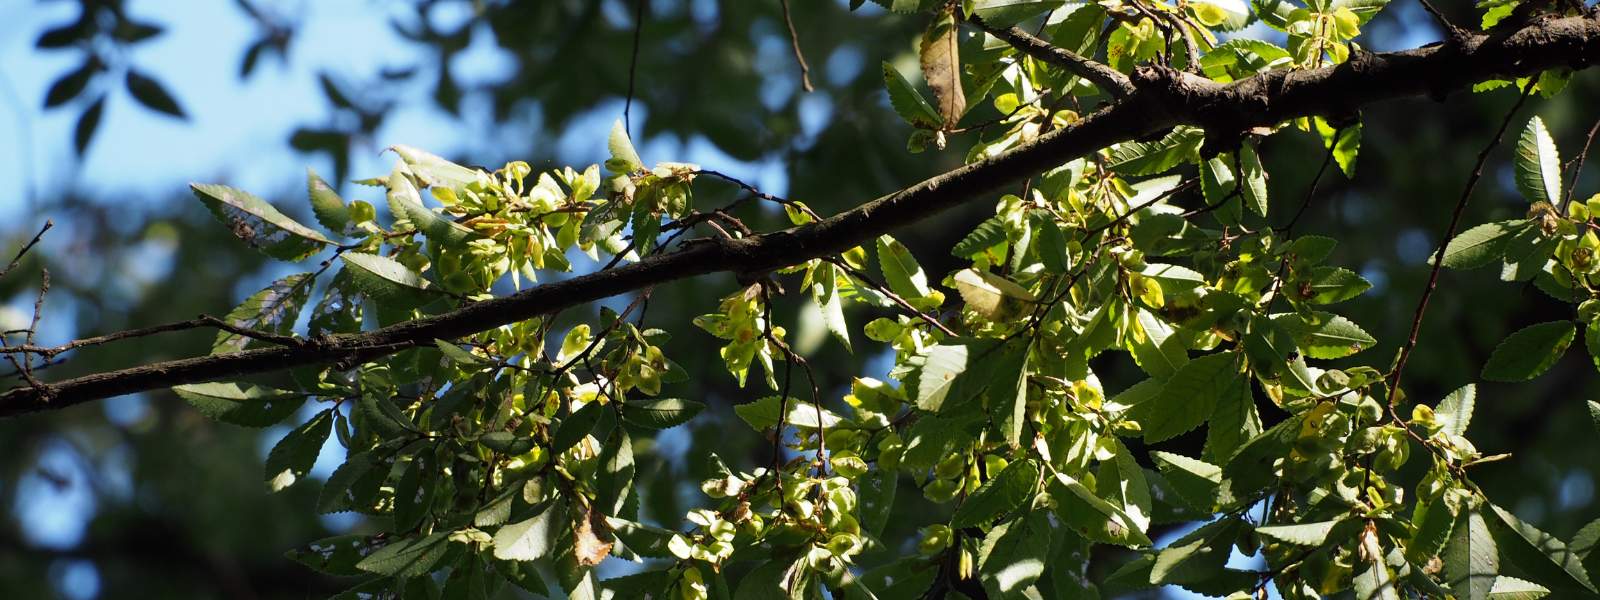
(202, 321)
(1438, 257)
(1313, 190)
(1578, 161)
(1164, 195)
(794, 39)
(1107, 79)
(1450, 29)
(26, 247)
(856, 273)
(638, 28)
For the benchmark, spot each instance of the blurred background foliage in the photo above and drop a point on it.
(142, 497)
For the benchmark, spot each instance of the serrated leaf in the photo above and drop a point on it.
(259, 224)
(387, 282)
(1167, 505)
(826, 294)
(648, 541)
(1537, 165)
(1332, 336)
(575, 427)
(940, 55)
(1345, 147)
(243, 404)
(1304, 534)
(1160, 351)
(1528, 352)
(877, 499)
(1091, 517)
(337, 555)
(1188, 398)
(414, 491)
(1541, 555)
(458, 355)
(1005, 13)
(534, 537)
(901, 272)
(1011, 557)
(1333, 284)
(1002, 493)
(272, 310)
(1455, 411)
(1250, 469)
(1196, 481)
(409, 557)
(331, 211)
(1511, 588)
(1233, 422)
(1149, 158)
(1196, 556)
(908, 102)
(434, 171)
(1274, 354)
(663, 413)
(931, 439)
(1471, 559)
(989, 234)
(622, 153)
(764, 413)
(955, 371)
(1254, 178)
(339, 311)
(438, 229)
(1121, 481)
(1481, 245)
(384, 417)
(354, 483)
(294, 455)
(993, 297)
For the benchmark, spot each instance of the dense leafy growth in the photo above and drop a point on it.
(515, 446)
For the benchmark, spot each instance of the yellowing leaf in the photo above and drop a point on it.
(941, 66)
(994, 297)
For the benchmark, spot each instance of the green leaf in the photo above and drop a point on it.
(1541, 555)
(1471, 560)
(259, 224)
(433, 171)
(1313, 248)
(1091, 517)
(149, 92)
(1332, 284)
(1537, 166)
(1529, 352)
(1217, 179)
(1167, 505)
(1255, 179)
(955, 371)
(826, 295)
(272, 310)
(1332, 336)
(877, 499)
(1233, 422)
(1051, 244)
(1196, 556)
(384, 417)
(1160, 353)
(340, 308)
(623, 157)
(1456, 409)
(1002, 493)
(1250, 469)
(409, 557)
(931, 439)
(413, 493)
(1007, 394)
(1511, 588)
(436, 227)
(458, 355)
(1274, 355)
(575, 427)
(1304, 534)
(775, 580)
(663, 413)
(383, 588)
(614, 480)
(331, 211)
(1012, 556)
(1005, 13)
(1594, 414)
(243, 404)
(907, 102)
(1188, 398)
(1375, 581)
(900, 269)
(1121, 481)
(1149, 158)
(337, 555)
(763, 414)
(1345, 148)
(534, 537)
(989, 234)
(1195, 481)
(648, 541)
(294, 455)
(387, 282)
(1070, 566)
(354, 484)
(1481, 245)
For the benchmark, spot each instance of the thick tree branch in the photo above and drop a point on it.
(1162, 99)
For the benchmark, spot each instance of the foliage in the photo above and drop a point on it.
(516, 446)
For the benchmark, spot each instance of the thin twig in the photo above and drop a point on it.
(1578, 161)
(856, 273)
(26, 247)
(1107, 79)
(1167, 194)
(1438, 257)
(1314, 181)
(794, 39)
(202, 321)
(638, 28)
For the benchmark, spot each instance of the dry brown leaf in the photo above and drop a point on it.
(941, 66)
(590, 540)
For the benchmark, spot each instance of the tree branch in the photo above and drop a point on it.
(1106, 78)
(1162, 99)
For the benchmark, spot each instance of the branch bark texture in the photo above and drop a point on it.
(1160, 99)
